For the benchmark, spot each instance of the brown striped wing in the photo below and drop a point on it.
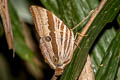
(56, 40)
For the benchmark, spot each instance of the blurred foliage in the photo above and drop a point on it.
(102, 42)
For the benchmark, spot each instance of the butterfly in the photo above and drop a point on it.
(56, 39)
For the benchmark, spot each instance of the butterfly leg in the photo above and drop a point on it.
(90, 13)
(77, 45)
(79, 34)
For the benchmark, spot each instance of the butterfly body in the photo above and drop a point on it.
(56, 39)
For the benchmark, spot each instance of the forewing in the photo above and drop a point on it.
(58, 51)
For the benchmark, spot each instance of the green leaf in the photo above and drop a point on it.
(22, 9)
(118, 19)
(106, 15)
(99, 50)
(72, 12)
(118, 75)
(20, 45)
(110, 61)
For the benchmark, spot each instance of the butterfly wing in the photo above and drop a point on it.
(56, 40)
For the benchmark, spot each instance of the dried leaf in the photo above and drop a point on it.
(6, 22)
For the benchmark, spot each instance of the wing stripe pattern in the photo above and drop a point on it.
(57, 52)
(42, 29)
(52, 34)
